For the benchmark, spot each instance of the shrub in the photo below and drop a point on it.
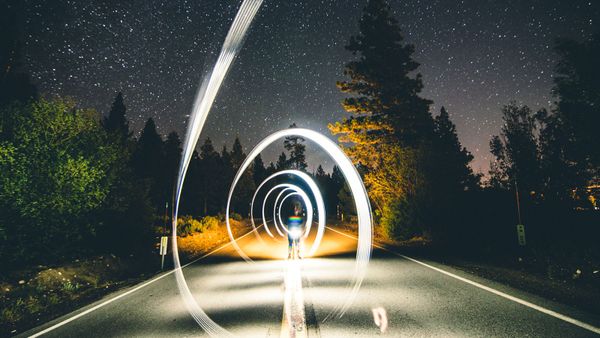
(210, 222)
(399, 220)
(187, 225)
(236, 217)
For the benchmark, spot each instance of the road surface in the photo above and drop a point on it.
(274, 297)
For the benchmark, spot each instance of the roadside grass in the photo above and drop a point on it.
(37, 294)
(197, 244)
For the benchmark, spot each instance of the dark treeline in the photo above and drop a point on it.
(418, 174)
(74, 181)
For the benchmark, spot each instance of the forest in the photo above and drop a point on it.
(76, 182)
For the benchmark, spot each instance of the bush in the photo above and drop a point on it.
(236, 217)
(210, 222)
(187, 225)
(400, 220)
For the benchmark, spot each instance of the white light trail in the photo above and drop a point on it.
(309, 211)
(302, 175)
(313, 188)
(202, 104)
(357, 189)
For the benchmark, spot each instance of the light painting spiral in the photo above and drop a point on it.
(202, 104)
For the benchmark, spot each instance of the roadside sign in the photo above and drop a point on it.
(164, 240)
(521, 234)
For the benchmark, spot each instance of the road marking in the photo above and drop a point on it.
(79, 315)
(549, 312)
(294, 320)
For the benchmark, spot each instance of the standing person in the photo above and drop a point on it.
(294, 229)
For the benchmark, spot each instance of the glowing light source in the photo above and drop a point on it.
(302, 175)
(359, 194)
(202, 104)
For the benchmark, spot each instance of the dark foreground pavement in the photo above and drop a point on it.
(418, 298)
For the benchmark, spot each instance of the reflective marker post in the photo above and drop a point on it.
(164, 240)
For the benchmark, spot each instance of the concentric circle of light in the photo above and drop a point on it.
(202, 104)
(302, 175)
(357, 189)
(313, 188)
(308, 205)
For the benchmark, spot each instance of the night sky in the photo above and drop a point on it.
(475, 57)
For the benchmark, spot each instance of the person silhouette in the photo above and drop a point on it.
(294, 230)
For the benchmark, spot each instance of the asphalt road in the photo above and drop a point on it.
(415, 298)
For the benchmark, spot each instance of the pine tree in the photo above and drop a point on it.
(172, 151)
(451, 180)
(147, 160)
(237, 153)
(516, 150)
(245, 188)
(577, 89)
(259, 172)
(385, 104)
(296, 148)
(210, 187)
(282, 162)
(15, 84)
(116, 123)
(391, 129)
(452, 160)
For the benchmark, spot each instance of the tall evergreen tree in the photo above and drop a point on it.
(452, 160)
(116, 123)
(282, 162)
(296, 148)
(147, 160)
(237, 153)
(245, 188)
(259, 172)
(560, 172)
(15, 84)
(210, 187)
(516, 150)
(385, 100)
(577, 88)
(172, 152)
(390, 132)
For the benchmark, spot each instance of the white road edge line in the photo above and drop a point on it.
(79, 315)
(549, 312)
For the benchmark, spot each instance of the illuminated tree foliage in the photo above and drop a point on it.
(389, 119)
(385, 101)
(391, 135)
(54, 175)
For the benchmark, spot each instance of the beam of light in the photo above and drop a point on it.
(313, 188)
(294, 317)
(281, 232)
(357, 188)
(202, 104)
(309, 211)
(302, 175)
(286, 187)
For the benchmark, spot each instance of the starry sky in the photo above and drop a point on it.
(475, 55)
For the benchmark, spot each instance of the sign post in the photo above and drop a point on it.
(164, 241)
(521, 234)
